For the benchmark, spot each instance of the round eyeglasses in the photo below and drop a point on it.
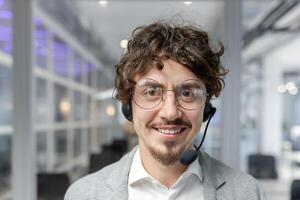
(190, 94)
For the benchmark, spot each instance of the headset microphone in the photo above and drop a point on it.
(190, 155)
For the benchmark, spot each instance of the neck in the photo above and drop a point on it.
(165, 174)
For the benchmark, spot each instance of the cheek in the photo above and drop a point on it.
(196, 119)
(141, 117)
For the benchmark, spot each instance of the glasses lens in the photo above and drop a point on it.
(147, 94)
(191, 94)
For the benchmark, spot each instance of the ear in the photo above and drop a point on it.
(127, 111)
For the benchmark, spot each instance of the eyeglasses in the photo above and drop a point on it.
(190, 94)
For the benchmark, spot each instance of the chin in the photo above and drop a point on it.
(166, 155)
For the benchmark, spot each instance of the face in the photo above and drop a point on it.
(153, 126)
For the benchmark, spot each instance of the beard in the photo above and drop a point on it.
(169, 157)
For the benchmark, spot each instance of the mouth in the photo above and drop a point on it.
(170, 132)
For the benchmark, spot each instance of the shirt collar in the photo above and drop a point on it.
(138, 172)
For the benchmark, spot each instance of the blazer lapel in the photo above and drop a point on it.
(213, 181)
(119, 178)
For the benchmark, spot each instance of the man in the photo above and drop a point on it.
(165, 81)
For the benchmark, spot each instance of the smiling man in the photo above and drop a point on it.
(165, 82)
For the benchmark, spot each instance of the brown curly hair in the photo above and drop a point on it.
(185, 44)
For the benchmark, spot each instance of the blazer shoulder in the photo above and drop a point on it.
(100, 184)
(236, 177)
(80, 189)
(88, 186)
(243, 185)
(228, 173)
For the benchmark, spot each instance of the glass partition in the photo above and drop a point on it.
(77, 142)
(6, 104)
(41, 150)
(5, 95)
(41, 44)
(78, 101)
(6, 26)
(42, 101)
(77, 68)
(60, 57)
(62, 104)
(61, 147)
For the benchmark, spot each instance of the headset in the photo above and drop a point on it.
(127, 111)
(189, 155)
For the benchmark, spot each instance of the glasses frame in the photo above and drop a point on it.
(174, 90)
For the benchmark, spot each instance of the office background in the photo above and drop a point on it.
(57, 62)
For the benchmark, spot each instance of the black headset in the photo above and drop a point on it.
(127, 111)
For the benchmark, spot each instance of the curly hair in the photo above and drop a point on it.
(185, 44)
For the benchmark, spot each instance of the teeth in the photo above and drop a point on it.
(169, 131)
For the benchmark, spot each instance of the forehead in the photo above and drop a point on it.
(172, 74)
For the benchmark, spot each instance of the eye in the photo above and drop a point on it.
(187, 93)
(190, 94)
(152, 92)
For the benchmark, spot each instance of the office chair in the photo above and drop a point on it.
(120, 146)
(262, 166)
(100, 160)
(295, 190)
(52, 186)
(110, 153)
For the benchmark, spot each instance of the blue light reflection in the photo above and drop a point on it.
(6, 26)
(60, 51)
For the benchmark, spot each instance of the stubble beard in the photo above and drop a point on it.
(171, 156)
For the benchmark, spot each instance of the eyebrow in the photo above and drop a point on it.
(190, 84)
(148, 82)
(185, 83)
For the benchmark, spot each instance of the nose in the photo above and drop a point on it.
(169, 109)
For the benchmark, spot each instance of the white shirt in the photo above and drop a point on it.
(141, 186)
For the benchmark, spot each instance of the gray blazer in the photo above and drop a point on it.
(219, 181)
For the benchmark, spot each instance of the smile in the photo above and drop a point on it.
(170, 131)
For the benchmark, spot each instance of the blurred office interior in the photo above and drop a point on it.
(59, 122)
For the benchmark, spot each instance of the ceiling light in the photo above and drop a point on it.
(281, 88)
(110, 110)
(64, 106)
(294, 91)
(124, 43)
(187, 2)
(290, 86)
(102, 3)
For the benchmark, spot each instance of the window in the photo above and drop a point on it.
(77, 68)
(60, 56)
(41, 150)
(77, 106)
(41, 46)
(90, 71)
(60, 141)
(6, 104)
(41, 100)
(77, 142)
(6, 26)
